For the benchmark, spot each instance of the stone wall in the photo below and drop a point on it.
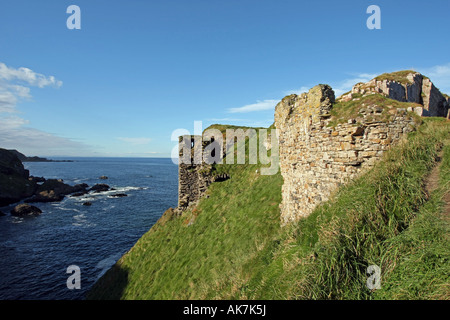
(416, 88)
(315, 159)
(194, 176)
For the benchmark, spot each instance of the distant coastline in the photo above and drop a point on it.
(24, 158)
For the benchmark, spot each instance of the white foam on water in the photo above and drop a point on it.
(107, 263)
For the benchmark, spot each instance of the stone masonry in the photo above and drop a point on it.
(315, 159)
(416, 88)
(194, 176)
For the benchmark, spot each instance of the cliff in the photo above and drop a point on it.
(25, 158)
(14, 182)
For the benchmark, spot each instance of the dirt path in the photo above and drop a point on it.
(432, 183)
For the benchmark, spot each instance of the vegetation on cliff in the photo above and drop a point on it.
(231, 246)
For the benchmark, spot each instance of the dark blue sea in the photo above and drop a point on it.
(35, 252)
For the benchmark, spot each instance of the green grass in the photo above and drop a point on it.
(399, 76)
(203, 253)
(369, 222)
(232, 246)
(343, 111)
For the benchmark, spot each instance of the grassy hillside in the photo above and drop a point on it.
(232, 246)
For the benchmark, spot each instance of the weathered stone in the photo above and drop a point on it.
(316, 159)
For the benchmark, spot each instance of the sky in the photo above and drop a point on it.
(138, 70)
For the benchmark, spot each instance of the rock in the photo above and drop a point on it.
(103, 178)
(36, 179)
(47, 196)
(14, 183)
(87, 204)
(101, 187)
(79, 194)
(434, 103)
(318, 100)
(119, 195)
(55, 190)
(25, 210)
(412, 87)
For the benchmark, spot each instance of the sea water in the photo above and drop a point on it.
(35, 252)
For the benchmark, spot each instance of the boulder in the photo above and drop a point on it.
(47, 196)
(25, 209)
(55, 190)
(87, 204)
(100, 187)
(36, 179)
(79, 194)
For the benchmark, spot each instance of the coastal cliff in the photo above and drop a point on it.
(14, 179)
(351, 193)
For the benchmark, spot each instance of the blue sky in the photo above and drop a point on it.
(138, 70)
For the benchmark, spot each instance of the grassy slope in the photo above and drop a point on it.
(232, 247)
(203, 253)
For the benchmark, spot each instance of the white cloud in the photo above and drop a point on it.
(14, 85)
(32, 142)
(298, 91)
(28, 76)
(439, 75)
(14, 134)
(135, 141)
(347, 84)
(259, 106)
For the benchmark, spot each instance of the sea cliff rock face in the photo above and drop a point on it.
(14, 179)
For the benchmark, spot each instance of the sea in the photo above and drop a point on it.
(38, 254)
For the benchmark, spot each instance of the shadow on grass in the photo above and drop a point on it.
(110, 286)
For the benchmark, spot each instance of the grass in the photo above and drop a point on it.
(399, 76)
(202, 254)
(369, 222)
(231, 246)
(343, 111)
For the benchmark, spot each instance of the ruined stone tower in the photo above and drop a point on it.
(315, 158)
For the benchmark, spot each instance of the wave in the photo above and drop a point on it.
(107, 263)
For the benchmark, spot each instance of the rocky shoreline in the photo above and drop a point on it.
(17, 185)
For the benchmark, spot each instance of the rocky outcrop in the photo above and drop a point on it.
(55, 190)
(25, 210)
(14, 179)
(119, 195)
(405, 87)
(101, 187)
